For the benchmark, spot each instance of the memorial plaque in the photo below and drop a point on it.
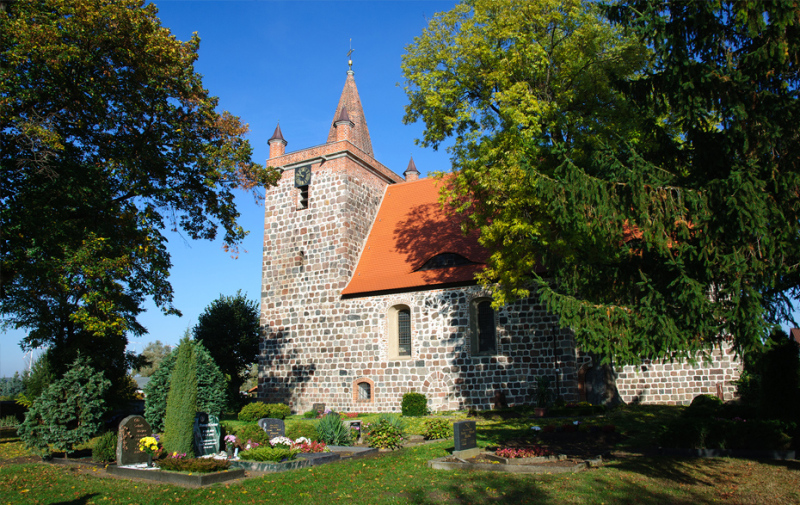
(206, 434)
(131, 430)
(465, 435)
(273, 427)
(319, 408)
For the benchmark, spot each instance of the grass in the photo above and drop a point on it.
(403, 477)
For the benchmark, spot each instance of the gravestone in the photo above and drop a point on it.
(206, 434)
(273, 427)
(131, 429)
(319, 408)
(465, 435)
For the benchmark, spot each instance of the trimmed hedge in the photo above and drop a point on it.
(258, 410)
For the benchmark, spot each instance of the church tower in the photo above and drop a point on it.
(316, 221)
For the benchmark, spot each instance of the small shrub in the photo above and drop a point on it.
(382, 434)
(302, 429)
(194, 465)
(253, 432)
(332, 430)
(105, 447)
(414, 404)
(435, 429)
(258, 410)
(704, 406)
(267, 453)
(311, 414)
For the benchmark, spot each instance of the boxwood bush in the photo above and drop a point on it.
(414, 404)
(104, 449)
(267, 453)
(259, 410)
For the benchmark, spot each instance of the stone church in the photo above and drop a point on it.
(368, 293)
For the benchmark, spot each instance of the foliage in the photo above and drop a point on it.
(523, 452)
(737, 433)
(182, 401)
(384, 433)
(651, 167)
(68, 412)
(311, 446)
(110, 138)
(414, 404)
(210, 387)
(9, 422)
(332, 430)
(704, 406)
(311, 414)
(779, 384)
(39, 377)
(254, 433)
(437, 428)
(193, 465)
(11, 386)
(153, 353)
(543, 393)
(104, 449)
(259, 410)
(230, 330)
(302, 429)
(266, 453)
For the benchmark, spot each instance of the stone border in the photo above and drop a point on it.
(179, 479)
(525, 461)
(441, 464)
(269, 467)
(352, 451)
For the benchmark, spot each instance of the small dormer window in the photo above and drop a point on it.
(446, 260)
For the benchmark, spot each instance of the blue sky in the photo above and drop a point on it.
(271, 61)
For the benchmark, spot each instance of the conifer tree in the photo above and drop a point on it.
(68, 412)
(651, 167)
(182, 401)
(210, 386)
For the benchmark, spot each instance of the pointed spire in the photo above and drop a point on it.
(343, 116)
(349, 100)
(411, 173)
(277, 144)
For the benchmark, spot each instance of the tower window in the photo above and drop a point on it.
(364, 391)
(302, 201)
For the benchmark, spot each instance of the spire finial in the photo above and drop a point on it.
(349, 59)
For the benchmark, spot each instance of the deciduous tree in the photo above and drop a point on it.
(107, 140)
(229, 329)
(662, 195)
(154, 353)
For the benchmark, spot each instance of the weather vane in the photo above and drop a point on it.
(350, 60)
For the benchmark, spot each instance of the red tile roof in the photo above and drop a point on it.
(411, 227)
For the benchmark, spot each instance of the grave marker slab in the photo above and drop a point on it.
(319, 408)
(465, 435)
(131, 429)
(206, 434)
(273, 427)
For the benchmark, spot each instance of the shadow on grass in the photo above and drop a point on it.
(689, 471)
(788, 464)
(483, 487)
(78, 501)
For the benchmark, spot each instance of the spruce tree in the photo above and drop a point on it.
(182, 401)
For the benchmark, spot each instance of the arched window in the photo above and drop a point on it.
(483, 327)
(363, 390)
(398, 326)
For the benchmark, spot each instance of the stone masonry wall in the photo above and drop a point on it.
(678, 383)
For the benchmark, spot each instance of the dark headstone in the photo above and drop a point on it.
(319, 408)
(206, 434)
(465, 435)
(131, 430)
(273, 427)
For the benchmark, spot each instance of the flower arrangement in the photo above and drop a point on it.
(525, 452)
(309, 446)
(150, 445)
(232, 442)
(282, 442)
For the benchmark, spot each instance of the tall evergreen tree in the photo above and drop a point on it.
(182, 401)
(651, 167)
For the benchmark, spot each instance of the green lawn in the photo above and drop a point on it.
(403, 477)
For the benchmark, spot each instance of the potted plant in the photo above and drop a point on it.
(543, 396)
